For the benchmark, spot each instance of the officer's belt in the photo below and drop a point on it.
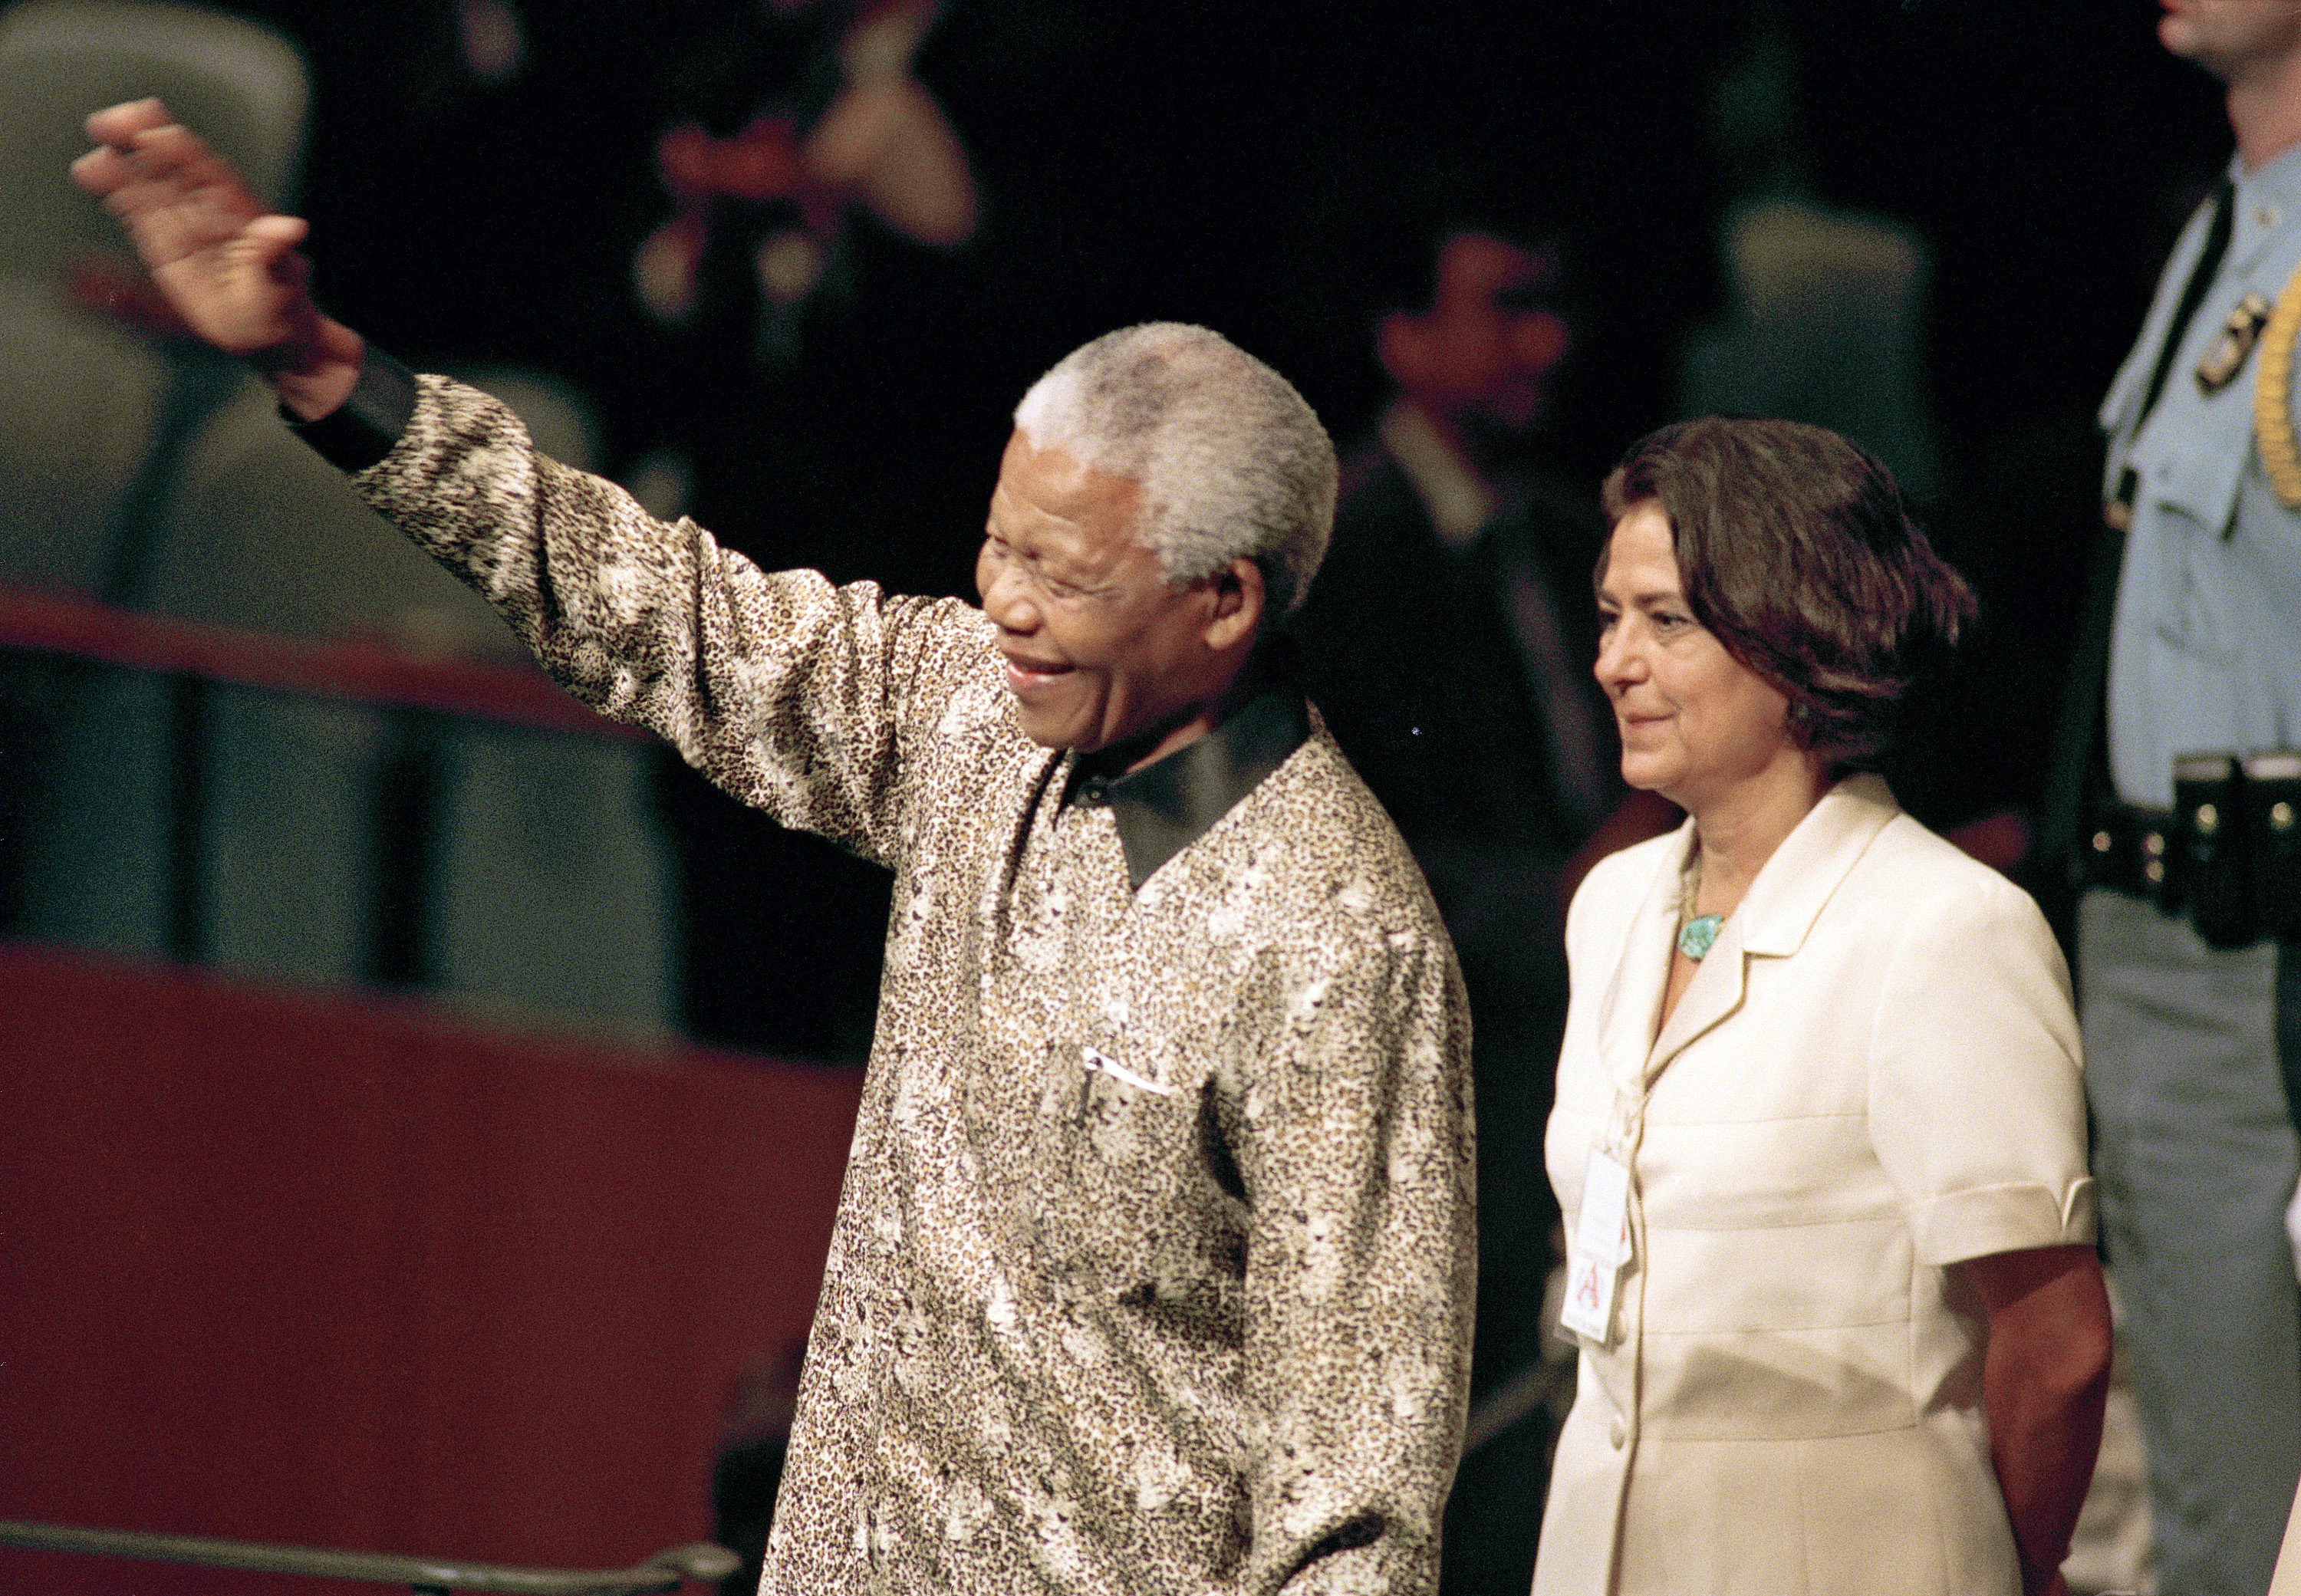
(2228, 854)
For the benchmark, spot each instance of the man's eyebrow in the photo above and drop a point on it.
(994, 525)
(1068, 573)
(1049, 563)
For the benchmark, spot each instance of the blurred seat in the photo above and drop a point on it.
(1828, 327)
(555, 882)
(263, 533)
(532, 860)
(79, 401)
(240, 83)
(93, 420)
(548, 879)
(153, 475)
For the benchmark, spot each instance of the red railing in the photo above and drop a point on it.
(366, 671)
(415, 693)
(667, 1571)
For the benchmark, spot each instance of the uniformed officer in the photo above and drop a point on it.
(2190, 944)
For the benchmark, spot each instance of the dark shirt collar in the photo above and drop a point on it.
(1162, 809)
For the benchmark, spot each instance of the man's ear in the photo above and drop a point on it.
(1239, 601)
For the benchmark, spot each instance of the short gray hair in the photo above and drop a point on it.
(1232, 461)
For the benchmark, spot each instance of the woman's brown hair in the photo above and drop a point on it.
(1796, 549)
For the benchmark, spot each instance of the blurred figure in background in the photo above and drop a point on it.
(1458, 556)
(830, 121)
(817, 199)
(797, 269)
(1448, 643)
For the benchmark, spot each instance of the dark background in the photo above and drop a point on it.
(1228, 163)
(1252, 167)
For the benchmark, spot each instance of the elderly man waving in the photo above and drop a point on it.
(1152, 1267)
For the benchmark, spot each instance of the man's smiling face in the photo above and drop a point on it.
(1100, 648)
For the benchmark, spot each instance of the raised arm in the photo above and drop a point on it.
(224, 265)
(791, 695)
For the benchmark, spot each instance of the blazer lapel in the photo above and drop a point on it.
(1714, 993)
(1626, 1016)
(1804, 873)
(1775, 915)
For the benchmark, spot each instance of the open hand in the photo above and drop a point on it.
(228, 268)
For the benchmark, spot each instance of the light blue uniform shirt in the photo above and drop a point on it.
(2206, 655)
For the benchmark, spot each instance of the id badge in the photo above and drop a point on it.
(1600, 1248)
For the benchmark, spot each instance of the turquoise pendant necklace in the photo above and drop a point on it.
(1696, 933)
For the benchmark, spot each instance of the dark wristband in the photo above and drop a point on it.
(365, 428)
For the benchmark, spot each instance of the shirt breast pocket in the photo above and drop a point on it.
(1126, 1162)
(2196, 484)
(1128, 1116)
(2193, 502)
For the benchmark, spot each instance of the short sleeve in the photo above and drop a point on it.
(1977, 1108)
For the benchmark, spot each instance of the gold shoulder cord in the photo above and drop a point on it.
(2272, 397)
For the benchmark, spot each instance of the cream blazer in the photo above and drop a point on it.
(1872, 1075)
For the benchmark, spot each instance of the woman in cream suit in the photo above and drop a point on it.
(1819, 1136)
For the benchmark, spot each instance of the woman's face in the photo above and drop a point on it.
(1697, 725)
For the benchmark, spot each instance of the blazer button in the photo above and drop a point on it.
(1618, 1433)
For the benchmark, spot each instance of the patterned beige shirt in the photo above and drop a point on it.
(1153, 1266)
